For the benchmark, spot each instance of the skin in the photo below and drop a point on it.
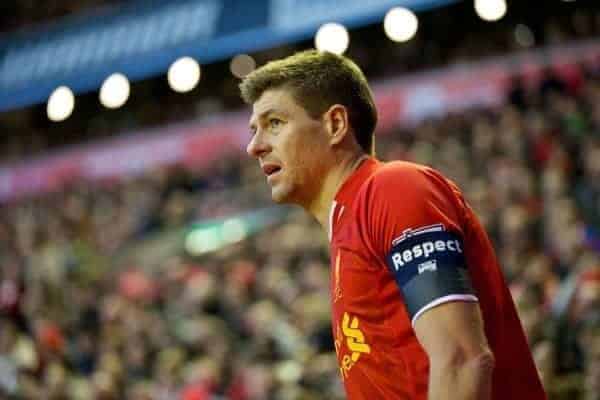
(460, 360)
(316, 156)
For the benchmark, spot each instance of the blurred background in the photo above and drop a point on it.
(140, 255)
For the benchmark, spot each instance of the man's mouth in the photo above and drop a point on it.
(271, 169)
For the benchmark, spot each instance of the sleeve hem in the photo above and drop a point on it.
(442, 300)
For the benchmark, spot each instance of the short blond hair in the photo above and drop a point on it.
(317, 80)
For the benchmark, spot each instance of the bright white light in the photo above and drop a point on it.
(201, 241)
(241, 65)
(60, 104)
(184, 75)
(332, 37)
(114, 91)
(234, 230)
(400, 24)
(490, 10)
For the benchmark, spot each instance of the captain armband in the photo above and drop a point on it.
(430, 269)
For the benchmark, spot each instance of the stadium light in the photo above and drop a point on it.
(400, 24)
(60, 104)
(524, 36)
(332, 37)
(241, 65)
(490, 10)
(114, 91)
(184, 75)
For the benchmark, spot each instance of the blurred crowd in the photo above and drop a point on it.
(81, 320)
(100, 300)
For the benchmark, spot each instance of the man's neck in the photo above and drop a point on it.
(332, 183)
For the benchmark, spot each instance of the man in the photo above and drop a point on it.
(420, 308)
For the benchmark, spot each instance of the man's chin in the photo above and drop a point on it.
(280, 196)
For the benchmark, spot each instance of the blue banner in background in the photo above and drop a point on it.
(141, 40)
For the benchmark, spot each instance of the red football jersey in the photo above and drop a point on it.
(379, 355)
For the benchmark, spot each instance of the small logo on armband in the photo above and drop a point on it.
(428, 266)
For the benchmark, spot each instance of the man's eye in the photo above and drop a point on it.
(275, 122)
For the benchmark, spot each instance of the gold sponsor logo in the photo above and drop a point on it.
(352, 335)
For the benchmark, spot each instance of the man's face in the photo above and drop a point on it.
(291, 147)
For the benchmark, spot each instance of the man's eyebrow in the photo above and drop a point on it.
(262, 115)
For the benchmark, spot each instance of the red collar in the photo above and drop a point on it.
(348, 190)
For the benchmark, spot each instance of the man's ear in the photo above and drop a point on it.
(336, 123)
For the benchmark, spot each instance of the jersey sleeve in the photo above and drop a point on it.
(413, 222)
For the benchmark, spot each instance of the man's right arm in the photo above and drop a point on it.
(460, 361)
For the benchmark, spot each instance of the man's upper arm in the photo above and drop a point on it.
(417, 223)
(452, 333)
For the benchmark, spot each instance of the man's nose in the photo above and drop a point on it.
(257, 146)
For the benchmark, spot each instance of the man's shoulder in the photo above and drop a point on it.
(404, 185)
(397, 176)
(400, 167)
